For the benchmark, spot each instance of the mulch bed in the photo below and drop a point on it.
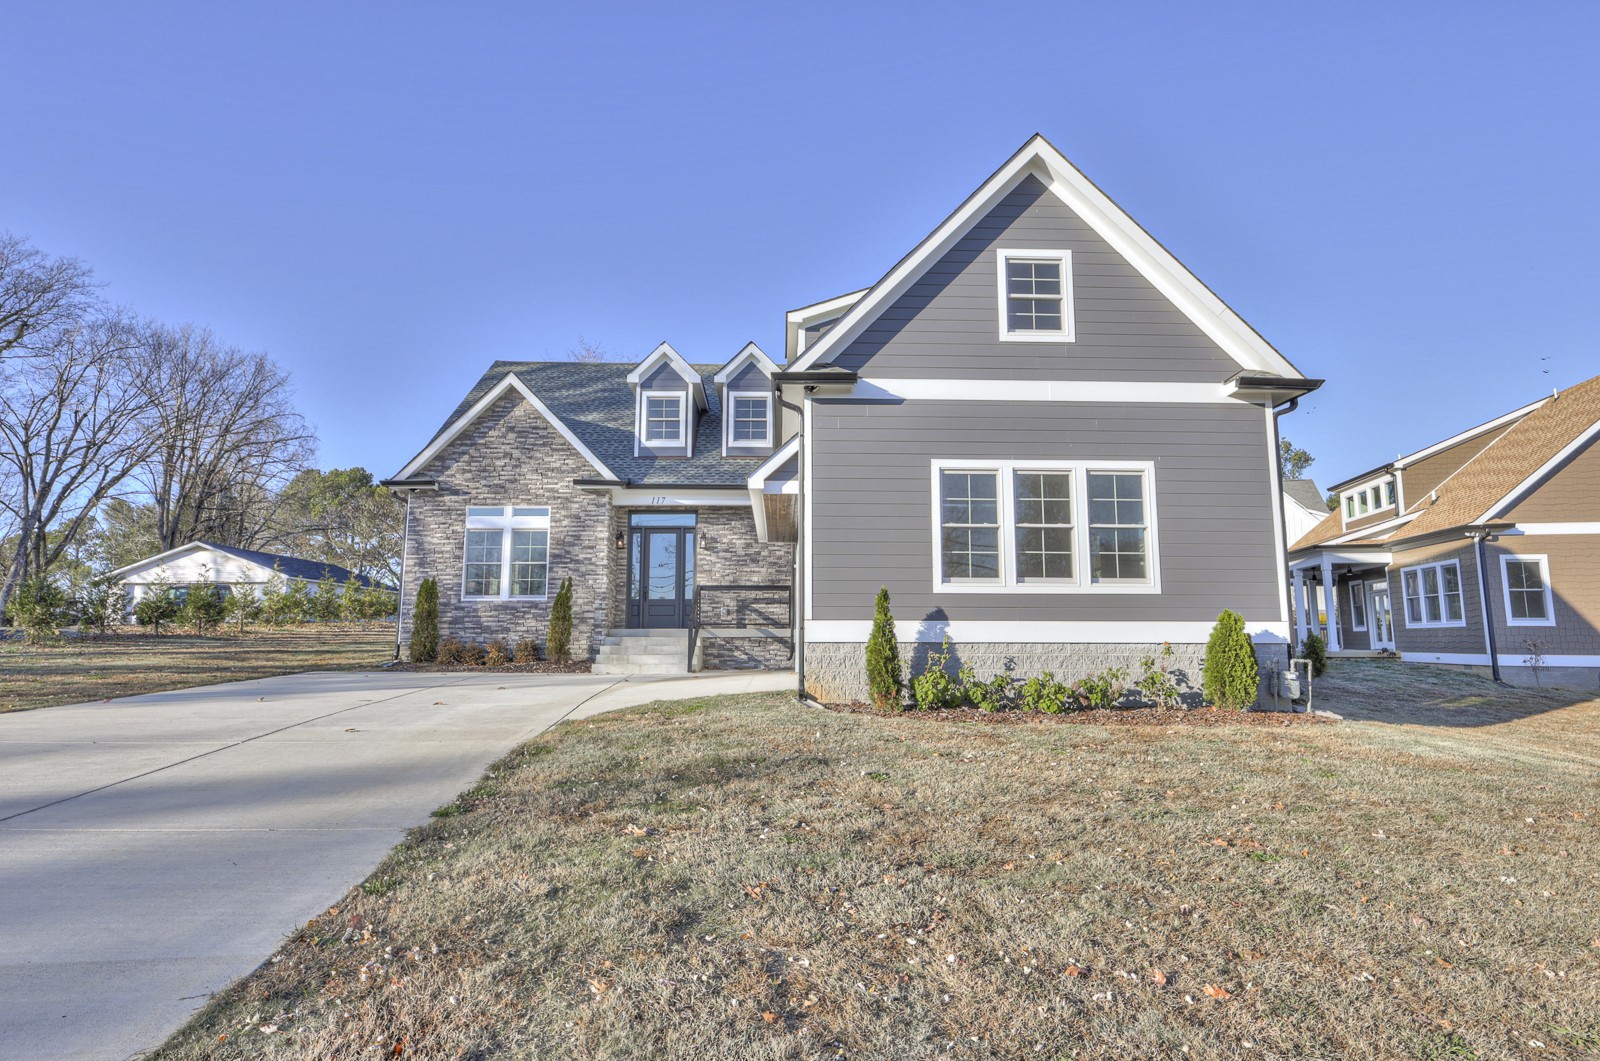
(544, 666)
(1115, 716)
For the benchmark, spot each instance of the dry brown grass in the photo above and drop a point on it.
(83, 669)
(745, 878)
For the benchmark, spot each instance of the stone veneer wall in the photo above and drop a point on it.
(836, 671)
(510, 456)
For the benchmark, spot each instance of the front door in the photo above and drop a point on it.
(660, 573)
(1382, 617)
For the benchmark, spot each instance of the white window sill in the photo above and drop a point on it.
(1037, 337)
(1530, 622)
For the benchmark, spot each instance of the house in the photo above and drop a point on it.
(210, 564)
(1047, 438)
(1304, 506)
(1481, 550)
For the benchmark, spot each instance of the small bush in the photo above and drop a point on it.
(992, 695)
(1316, 650)
(203, 609)
(1043, 693)
(527, 651)
(560, 635)
(1100, 690)
(884, 678)
(1230, 677)
(1156, 684)
(242, 607)
(157, 606)
(275, 603)
(327, 604)
(39, 607)
(934, 689)
(497, 653)
(100, 607)
(425, 623)
(456, 653)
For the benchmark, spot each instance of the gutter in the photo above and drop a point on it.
(797, 596)
(814, 377)
(1479, 535)
(1283, 517)
(400, 590)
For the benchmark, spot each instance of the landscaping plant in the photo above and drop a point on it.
(100, 607)
(353, 601)
(1229, 676)
(326, 605)
(884, 677)
(560, 635)
(497, 653)
(1315, 649)
(275, 602)
(1157, 684)
(934, 689)
(526, 651)
(1101, 690)
(203, 609)
(242, 607)
(425, 623)
(39, 607)
(992, 695)
(158, 605)
(1043, 693)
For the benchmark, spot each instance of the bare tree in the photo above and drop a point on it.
(227, 439)
(71, 431)
(589, 353)
(39, 295)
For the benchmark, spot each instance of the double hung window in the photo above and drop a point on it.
(1035, 295)
(1433, 594)
(507, 553)
(1527, 590)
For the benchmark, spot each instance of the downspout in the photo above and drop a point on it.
(797, 595)
(1283, 523)
(1479, 536)
(400, 590)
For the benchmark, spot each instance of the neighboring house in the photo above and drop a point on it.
(1048, 439)
(1482, 549)
(209, 564)
(1304, 506)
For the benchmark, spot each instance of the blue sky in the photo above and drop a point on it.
(386, 197)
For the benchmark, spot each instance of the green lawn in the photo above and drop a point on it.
(746, 878)
(79, 670)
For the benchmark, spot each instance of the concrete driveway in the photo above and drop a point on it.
(153, 849)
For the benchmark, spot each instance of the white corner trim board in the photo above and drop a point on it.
(1049, 390)
(1555, 528)
(1069, 632)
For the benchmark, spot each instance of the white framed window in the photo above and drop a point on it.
(1358, 605)
(1044, 526)
(1035, 290)
(507, 553)
(1525, 584)
(661, 418)
(749, 420)
(1368, 498)
(1432, 594)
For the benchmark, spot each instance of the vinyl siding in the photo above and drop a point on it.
(1571, 495)
(665, 379)
(749, 378)
(1449, 639)
(947, 325)
(872, 518)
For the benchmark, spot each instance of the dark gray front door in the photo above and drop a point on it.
(661, 573)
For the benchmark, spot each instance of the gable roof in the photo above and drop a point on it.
(593, 404)
(1306, 493)
(664, 354)
(750, 354)
(1039, 158)
(1486, 486)
(288, 566)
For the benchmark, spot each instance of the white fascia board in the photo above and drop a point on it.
(1038, 157)
(647, 496)
(665, 354)
(757, 483)
(1471, 432)
(825, 309)
(1584, 438)
(1029, 390)
(159, 558)
(481, 406)
(1379, 558)
(1070, 632)
(750, 355)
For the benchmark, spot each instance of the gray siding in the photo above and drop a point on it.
(749, 378)
(1446, 639)
(946, 326)
(872, 520)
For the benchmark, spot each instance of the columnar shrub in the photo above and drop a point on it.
(202, 608)
(425, 623)
(100, 607)
(353, 601)
(297, 603)
(559, 639)
(1316, 650)
(1229, 675)
(157, 606)
(326, 605)
(275, 600)
(884, 677)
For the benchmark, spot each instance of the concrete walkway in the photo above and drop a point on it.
(153, 849)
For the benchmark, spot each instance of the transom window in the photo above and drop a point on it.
(663, 419)
(1035, 295)
(1433, 594)
(751, 423)
(1017, 527)
(507, 553)
(1527, 590)
(1367, 499)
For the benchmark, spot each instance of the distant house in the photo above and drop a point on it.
(206, 563)
(1482, 549)
(1304, 506)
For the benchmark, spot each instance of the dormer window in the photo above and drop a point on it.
(1035, 296)
(750, 424)
(663, 419)
(1368, 498)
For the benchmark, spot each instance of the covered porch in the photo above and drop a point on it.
(1343, 596)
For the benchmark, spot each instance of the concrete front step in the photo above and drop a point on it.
(643, 652)
(679, 656)
(639, 668)
(676, 635)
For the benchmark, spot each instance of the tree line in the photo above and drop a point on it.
(121, 437)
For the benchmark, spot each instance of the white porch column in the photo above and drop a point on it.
(1300, 627)
(1332, 599)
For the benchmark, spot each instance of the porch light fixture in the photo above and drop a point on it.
(622, 540)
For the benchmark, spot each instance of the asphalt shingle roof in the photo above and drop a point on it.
(293, 566)
(596, 403)
(1307, 493)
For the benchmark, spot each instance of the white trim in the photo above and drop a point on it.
(462, 422)
(1422, 594)
(1584, 438)
(1481, 659)
(644, 420)
(824, 310)
(757, 483)
(1362, 586)
(1043, 632)
(1081, 581)
(1038, 157)
(1555, 528)
(664, 352)
(1280, 541)
(1063, 258)
(1360, 490)
(807, 504)
(749, 354)
(671, 497)
(507, 523)
(1043, 390)
(729, 407)
(1471, 432)
(1544, 575)
(1372, 588)
(162, 557)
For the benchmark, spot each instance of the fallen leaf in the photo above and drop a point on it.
(1078, 970)
(1158, 977)
(769, 1016)
(1217, 992)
